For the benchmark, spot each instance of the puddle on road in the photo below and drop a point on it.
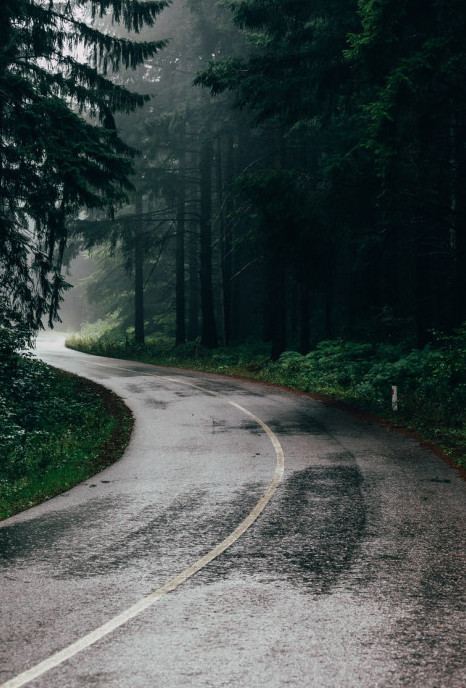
(309, 535)
(25, 541)
(219, 426)
(296, 425)
(288, 424)
(155, 403)
(114, 534)
(340, 457)
(135, 388)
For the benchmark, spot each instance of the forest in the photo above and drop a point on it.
(300, 179)
(271, 188)
(287, 171)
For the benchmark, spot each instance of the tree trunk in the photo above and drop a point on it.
(139, 276)
(458, 233)
(180, 318)
(225, 234)
(208, 326)
(276, 292)
(193, 285)
(305, 330)
(328, 306)
(275, 308)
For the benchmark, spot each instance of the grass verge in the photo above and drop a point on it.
(56, 430)
(431, 383)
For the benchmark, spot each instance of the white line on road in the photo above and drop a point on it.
(143, 604)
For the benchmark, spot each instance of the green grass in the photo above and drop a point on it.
(431, 382)
(56, 430)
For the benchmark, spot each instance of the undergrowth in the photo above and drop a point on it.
(431, 382)
(55, 430)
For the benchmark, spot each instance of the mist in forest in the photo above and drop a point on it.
(306, 187)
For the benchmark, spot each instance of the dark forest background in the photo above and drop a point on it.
(224, 172)
(301, 177)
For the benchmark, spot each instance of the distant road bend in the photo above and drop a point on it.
(249, 537)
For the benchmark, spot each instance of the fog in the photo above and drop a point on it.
(269, 210)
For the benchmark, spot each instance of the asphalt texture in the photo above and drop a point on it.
(354, 575)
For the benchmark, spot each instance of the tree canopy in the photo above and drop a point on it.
(376, 88)
(319, 193)
(60, 150)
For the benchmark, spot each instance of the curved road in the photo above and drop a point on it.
(352, 575)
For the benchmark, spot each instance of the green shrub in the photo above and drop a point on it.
(52, 427)
(431, 382)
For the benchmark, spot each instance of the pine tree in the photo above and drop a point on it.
(60, 150)
(410, 57)
(297, 84)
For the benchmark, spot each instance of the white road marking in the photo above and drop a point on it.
(143, 604)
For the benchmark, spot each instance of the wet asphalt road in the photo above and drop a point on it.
(353, 576)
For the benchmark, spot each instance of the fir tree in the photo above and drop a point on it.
(410, 58)
(60, 150)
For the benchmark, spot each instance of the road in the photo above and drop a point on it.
(346, 567)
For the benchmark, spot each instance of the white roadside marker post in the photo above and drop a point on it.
(394, 398)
